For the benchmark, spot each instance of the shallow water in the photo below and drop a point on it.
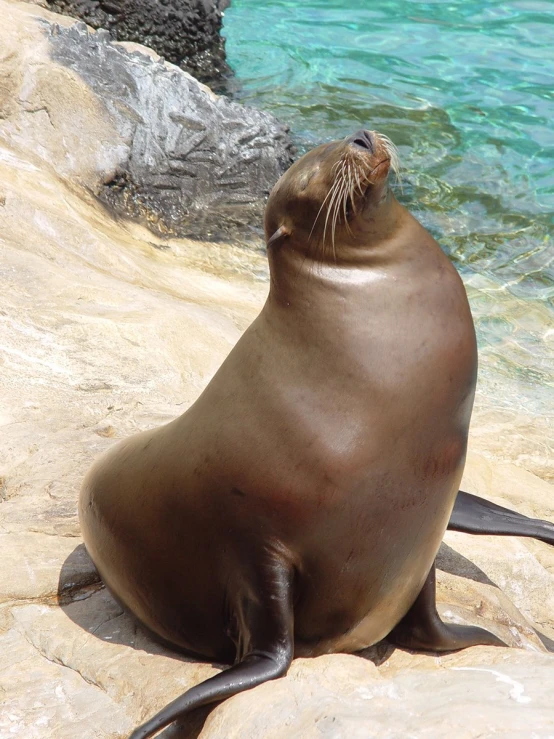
(465, 89)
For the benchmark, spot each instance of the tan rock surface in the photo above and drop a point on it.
(106, 330)
(45, 109)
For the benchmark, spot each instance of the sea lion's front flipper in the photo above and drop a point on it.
(265, 644)
(421, 627)
(474, 515)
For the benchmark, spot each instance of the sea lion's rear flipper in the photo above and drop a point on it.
(265, 644)
(422, 628)
(474, 515)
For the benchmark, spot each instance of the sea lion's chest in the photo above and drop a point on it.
(357, 392)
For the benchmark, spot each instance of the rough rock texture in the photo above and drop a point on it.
(158, 145)
(105, 330)
(184, 32)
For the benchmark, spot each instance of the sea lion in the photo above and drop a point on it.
(297, 507)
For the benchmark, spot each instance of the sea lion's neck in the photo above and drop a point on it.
(300, 276)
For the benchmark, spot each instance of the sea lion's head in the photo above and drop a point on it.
(334, 197)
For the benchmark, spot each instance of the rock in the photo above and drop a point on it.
(107, 329)
(42, 698)
(145, 137)
(184, 32)
(342, 696)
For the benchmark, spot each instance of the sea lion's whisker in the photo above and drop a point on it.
(342, 200)
(336, 207)
(331, 209)
(350, 179)
(347, 194)
(336, 214)
(392, 151)
(353, 178)
(346, 189)
(358, 182)
(319, 211)
(334, 190)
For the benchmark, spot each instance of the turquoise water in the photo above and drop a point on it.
(466, 91)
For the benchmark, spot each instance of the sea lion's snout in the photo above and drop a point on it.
(328, 197)
(364, 139)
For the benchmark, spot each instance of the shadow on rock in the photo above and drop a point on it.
(88, 603)
(548, 643)
(378, 653)
(448, 560)
(191, 727)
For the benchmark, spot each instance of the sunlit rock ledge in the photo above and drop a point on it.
(105, 330)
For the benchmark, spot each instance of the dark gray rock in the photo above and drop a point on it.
(198, 164)
(185, 32)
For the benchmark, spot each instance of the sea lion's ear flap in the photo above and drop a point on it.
(281, 232)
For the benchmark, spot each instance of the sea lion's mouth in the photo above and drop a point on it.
(377, 170)
(376, 173)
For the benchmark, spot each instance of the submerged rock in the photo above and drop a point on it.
(185, 32)
(147, 138)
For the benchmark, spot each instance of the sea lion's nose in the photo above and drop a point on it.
(363, 139)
